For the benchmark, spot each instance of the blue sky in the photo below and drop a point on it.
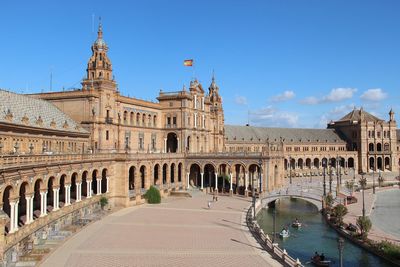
(286, 63)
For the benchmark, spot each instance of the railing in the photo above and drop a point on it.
(266, 243)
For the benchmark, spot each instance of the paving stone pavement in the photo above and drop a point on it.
(178, 232)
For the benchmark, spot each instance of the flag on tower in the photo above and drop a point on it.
(188, 62)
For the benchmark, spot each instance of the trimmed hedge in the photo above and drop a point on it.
(153, 195)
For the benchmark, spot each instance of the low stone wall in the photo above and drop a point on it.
(265, 241)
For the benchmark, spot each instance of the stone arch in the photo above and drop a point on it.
(300, 163)
(325, 162)
(164, 173)
(292, 163)
(254, 176)
(103, 188)
(195, 175)
(74, 178)
(350, 163)
(37, 200)
(172, 142)
(8, 193)
(132, 118)
(371, 163)
(125, 118)
(209, 175)
(143, 176)
(61, 193)
(308, 163)
(238, 176)
(387, 163)
(84, 184)
(156, 171)
(172, 173)
(131, 178)
(333, 162)
(371, 147)
(95, 173)
(138, 118)
(180, 172)
(23, 192)
(316, 163)
(379, 163)
(50, 193)
(379, 147)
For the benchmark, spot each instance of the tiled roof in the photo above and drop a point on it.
(24, 110)
(249, 133)
(355, 115)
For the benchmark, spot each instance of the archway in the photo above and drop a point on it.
(61, 192)
(350, 163)
(316, 163)
(155, 173)
(103, 181)
(379, 147)
(172, 175)
(73, 187)
(37, 199)
(131, 181)
(300, 163)
(254, 176)
(23, 190)
(370, 147)
(180, 172)
(50, 193)
(379, 163)
(239, 181)
(286, 164)
(308, 163)
(143, 176)
(209, 176)
(94, 182)
(387, 163)
(84, 184)
(6, 204)
(194, 175)
(172, 143)
(371, 163)
(164, 173)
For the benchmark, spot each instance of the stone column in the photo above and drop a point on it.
(107, 184)
(98, 186)
(78, 192)
(230, 184)
(67, 195)
(165, 145)
(246, 179)
(216, 180)
(43, 204)
(13, 211)
(177, 146)
(187, 180)
(29, 209)
(202, 180)
(55, 199)
(89, 189)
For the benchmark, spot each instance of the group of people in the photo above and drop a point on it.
(318, 257)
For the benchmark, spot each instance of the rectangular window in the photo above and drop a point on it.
(141, 141)
(168, 121)
(174, 121)
(107, 135)
(153, 142)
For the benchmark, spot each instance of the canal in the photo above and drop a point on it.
(314, 235)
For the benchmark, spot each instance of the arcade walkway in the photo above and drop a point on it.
(178, 232)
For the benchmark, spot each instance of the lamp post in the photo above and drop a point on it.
(290, 170)
(340, 247)
(274, 224)
(324, 165)
(373, 181)
(363, 183)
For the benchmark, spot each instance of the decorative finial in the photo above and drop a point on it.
(100, 31)
(213, 76)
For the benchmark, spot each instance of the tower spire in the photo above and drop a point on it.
(100, 30)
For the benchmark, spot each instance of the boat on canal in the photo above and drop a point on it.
(318, 262)
(284, 233)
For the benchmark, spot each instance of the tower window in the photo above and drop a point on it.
(107, 135)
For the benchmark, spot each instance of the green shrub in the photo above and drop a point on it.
(364, 223)
(153, 195)
(103, 202)
(340, 211)
(390, 249)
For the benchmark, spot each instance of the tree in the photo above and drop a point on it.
(363, 182)
(340, 211)
(350, 186)
(153, 195)
(364, 223)
(329, 201)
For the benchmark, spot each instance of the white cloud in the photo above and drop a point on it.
(241, 100)
(287, 95)
(342, 110)
(374, 95)
(269, 116)
(311, 100)
(335, 95)
(339, 94)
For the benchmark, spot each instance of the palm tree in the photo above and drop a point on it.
(350, 186)
(340, 211)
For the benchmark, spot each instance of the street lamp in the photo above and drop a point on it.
(363, 183)
(340, 247)
(373, 181)
(274, 220)
(324, 165)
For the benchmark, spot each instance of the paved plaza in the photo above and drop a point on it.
(178, 232)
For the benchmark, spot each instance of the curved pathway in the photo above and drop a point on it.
(178, 232)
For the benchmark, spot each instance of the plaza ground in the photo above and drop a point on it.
(178, 232)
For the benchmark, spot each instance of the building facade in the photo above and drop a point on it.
(61, 151)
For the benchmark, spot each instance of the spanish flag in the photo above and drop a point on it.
(188, 62)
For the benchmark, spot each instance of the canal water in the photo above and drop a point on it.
(314, 235)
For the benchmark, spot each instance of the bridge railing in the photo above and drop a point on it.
(265, 242)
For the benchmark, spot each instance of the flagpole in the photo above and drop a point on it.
(194, 71)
